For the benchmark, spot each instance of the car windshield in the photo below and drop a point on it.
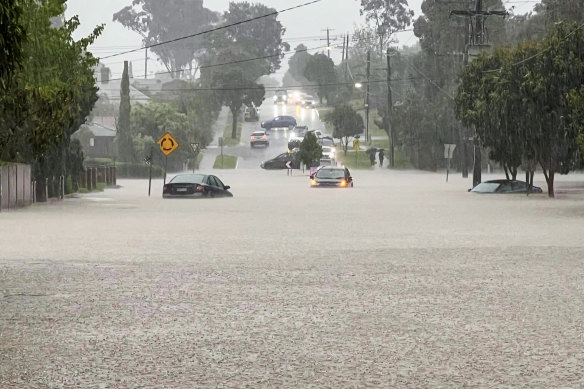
(188, 179)
(258, 134)
(335, 174)
(486, 187)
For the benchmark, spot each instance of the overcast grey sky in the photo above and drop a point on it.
(309, 21)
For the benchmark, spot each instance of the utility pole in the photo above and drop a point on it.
(477, 41)
(146, 63)
(367, 96)
(390, 110)
(328, 41)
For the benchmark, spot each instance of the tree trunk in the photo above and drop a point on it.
(549, 179)
(234, 123)
(513, 171)
(506, 170)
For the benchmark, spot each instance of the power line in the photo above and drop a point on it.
(214, 29)
(228, 63)
(273, 88)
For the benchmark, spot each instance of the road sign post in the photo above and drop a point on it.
(167, 145)
(148, 160)
(221, 145)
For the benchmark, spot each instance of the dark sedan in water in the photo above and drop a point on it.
(505, 186)
(332, 177)
(195, 186)
(282, 161)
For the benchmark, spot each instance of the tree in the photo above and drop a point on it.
(13, 35)
(236, 83)
(310, 151)
(159, 22)
(297, 65)
(50, 95)
(320, 69)
(149, 122)
(347, 124)
(387, 16)
(124, 132)
(521, 100)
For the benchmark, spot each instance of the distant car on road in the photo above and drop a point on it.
(280, 122)
(251, 114)
(280, 162)
(195, 186)
(294, 143)
(328, 156)
(505, 186)
(332, 177)
(309, 102)
(299, 132)
(259, 138)
(281, 97)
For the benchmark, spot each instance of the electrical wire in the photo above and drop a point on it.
(214, 29)
(284, 53)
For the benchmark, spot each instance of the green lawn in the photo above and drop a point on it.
(229, 162)
(227, 139)
(354, 159)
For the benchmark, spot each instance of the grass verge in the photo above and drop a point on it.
(229, 162)
(227, 139)
(354, 159)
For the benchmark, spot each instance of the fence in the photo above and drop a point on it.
(106, 175)
(16, 186)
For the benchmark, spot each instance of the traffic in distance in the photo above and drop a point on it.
(325, 172)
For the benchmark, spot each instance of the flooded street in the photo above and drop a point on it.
(403, 280)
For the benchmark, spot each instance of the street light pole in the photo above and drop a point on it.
(390, 110)
(367, 137)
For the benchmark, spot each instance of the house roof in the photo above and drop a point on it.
(99, 130)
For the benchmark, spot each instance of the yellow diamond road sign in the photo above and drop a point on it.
(167, 144)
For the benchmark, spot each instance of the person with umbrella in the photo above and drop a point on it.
(381, 157)
(372, 151)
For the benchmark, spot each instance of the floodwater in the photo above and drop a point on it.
(402, 281)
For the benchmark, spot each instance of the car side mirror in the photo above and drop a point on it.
(312, 176)
(226, 187)
(469, 190)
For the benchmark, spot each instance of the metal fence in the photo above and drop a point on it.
(16, 186)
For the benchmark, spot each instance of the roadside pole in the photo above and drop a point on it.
(149, 162)
(390, 110)
(448, 154)
(367, 137)
(165, 166)
(221, 145)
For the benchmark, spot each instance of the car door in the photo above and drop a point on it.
(213, 187)
(219, 187)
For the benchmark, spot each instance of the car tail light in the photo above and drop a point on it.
(264, 137)
(343, 183)
(200, 189)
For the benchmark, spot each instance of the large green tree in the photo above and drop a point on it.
(124, 133)
(387, 17)
(347, 124)
(13, 35)
(54, 88)
(227, 70)
(519, 101)
(320, 70)
(162, 21)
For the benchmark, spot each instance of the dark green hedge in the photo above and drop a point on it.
(136, 170)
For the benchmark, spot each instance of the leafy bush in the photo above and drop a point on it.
(136, 170)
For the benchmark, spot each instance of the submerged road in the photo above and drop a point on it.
(402, 281)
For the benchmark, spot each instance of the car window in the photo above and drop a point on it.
(212, 181)
(486, 187)
(188, 179)
(331, 173)
(218, 182)
(505, 188)
(518, 186)
(282, 156)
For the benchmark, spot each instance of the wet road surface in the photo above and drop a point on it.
(402, 281)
